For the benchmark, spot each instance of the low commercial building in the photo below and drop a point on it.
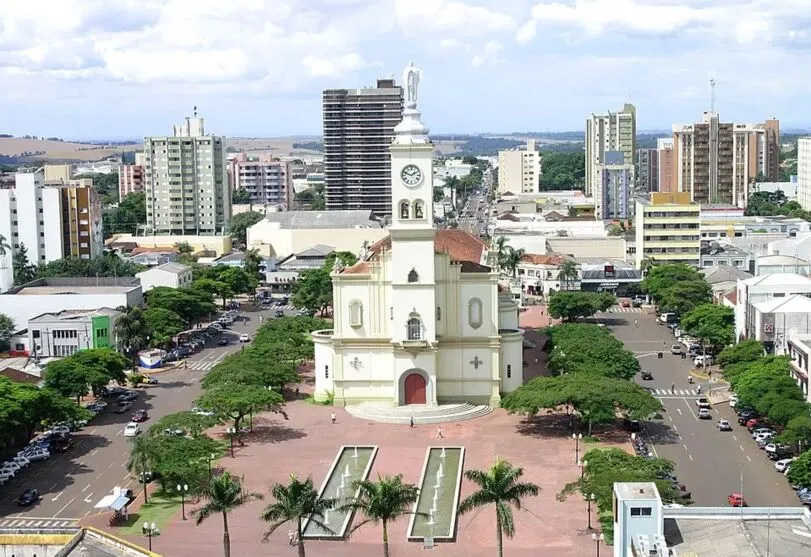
(799, 349)
(668, 229)
(66, 332)
(237, 259)
(55, 294)
(714, 254)
(773, 264)
(172, 275)
(797, 246)
(285, 233)
(723, 279)
(216, 244)
(540, 274)
(772, 322)
(287, 272)
(599, 274)
(755, 290)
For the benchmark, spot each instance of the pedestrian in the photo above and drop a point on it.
(185, 364)
(411, 421)
(291, 537)
(673, 388)
(439, 433)
(636, 322)
(332, 417)
(297, 391)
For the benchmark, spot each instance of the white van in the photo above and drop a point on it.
(700, 361)
(667, 318)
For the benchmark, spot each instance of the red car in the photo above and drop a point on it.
(736, 500)
(753, 423)
(140, 416)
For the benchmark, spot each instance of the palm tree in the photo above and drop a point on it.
(647, 264)
(499, 486)
(5, 249)
(383, 501)
(223, 494)
(143, 458)
(512, 258)
(132, 331)
(296, 502)
(500, 244)
(567, 272)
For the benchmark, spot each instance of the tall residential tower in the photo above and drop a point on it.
(613, 131)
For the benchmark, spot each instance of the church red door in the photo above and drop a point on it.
(414, 386)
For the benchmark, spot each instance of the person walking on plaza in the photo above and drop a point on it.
(332, 417)
(439, 433)
(411, 421)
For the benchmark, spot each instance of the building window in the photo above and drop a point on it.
(419, 209)
(474, 313)
(509, 371)
(414, 328)
(413, 276)
(326, 372)
(404, 209)
(641, 511)
(391, 313)
(355, 313)
(438, 313)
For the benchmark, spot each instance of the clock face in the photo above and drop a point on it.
(411, 175)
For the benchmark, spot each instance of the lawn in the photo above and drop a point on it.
(159, 510)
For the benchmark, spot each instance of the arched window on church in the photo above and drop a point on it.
(413, 276)
(414, 327)
(355, 313)
(419, 209)
(474, 313)
(404, 210)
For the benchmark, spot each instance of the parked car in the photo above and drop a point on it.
(279, 313)
(28, 497)
(736, 500)
(128, 396)
(244, 338)
(703, 402)
(123, 407)
(626, 303)
(173, 432)
(131, 429)
(140, 416)
(746, 415)
(5, 478)
(114, 391)
(21, 461)
(646, 375)
(667, 318)
(758, 430)
(223, 341)
(780, 454)
(704, 414)
(754, 423)
(703, 360)
(677, 349)
(723, 425)
(35, 454)
(782, 464)
(733, 401)
(637, 302)
(62, 445)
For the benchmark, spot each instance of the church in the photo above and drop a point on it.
(419, 319)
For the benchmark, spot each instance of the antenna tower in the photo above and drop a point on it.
(712, 95)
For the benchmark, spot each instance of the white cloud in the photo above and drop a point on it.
(488, 55)
(333, 66)
(527, 32)
(451, 44)
(460, 18)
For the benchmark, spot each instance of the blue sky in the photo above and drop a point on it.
(128, 68)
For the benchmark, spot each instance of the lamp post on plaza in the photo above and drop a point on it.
(577, 437)
(150, 530)
(183, 489)
(582, 466)
(589, 501)
(598, 539)
(232, 431)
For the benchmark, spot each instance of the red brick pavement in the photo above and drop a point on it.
(308, 442)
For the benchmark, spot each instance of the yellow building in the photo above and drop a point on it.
(668, 229)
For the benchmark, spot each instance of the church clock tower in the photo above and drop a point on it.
(412, 228)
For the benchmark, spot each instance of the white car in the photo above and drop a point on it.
(244, 338)
(733, 401)
(704, 360)
(22, 461)
(34, 455)
(759, 431)
(782, 465)
(11, 464)
(764, 437)
(9, 471)
(131, 429)
(201, 411)
(704, 414)
(5, 477)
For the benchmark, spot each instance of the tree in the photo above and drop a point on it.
(797, 432)
(190, 304)
(712, 324)
(38, 407)
(241, 196)
(570, 305)
(567, 273)
(295, 502)
(164, 325)
(184, 248)
(252, 263)
(190, 422)
(223, 495)
(125, 218)
(682, 297)
(512, 259)
(6, 326)
(800, 472)
(94, 368)
(744, 352)
(105, 265)
(24, 271)
(143, 459)
(501, 247)
(254, 366)
(313, 291)
(132, 330)
(184, 460)
(662, 277)
(234, 401)
(501, 487)
(586, 348)
(562, 170)
(230, 280)
(239, 224)
(382, 502)
(594, 397)
(347, 259)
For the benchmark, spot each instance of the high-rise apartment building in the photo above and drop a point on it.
(667, 229)
(804, 172)
(269, 182)
(615, 181)
(647, 170)
(186, 182)
(131, 177)
(358, 129)
(53, 218)
(717, 162)
(665, 165)
(519, 170)
(613, 131)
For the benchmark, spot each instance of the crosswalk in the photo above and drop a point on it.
(674, 392)
(201, 366)
(286, 307)
(620, 309)
(40, 523)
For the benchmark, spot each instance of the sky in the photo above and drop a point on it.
(110, 69)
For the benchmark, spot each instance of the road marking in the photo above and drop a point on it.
(691, 457)
(691, 410)
(94, 451)
(120, 431)
(88, 498)
(53, 487)
(99, 476)
(684, 445)
(124, 464)
(111, 465)
(65, 507)
(125, 478)
(669, 417)
(15, 522)
(56, 498)
(678, 410)
(749, 459)
(94, 431)
(741, 447)
(86, 487)
(735, 438)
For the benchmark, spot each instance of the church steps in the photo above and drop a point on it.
(443, 413)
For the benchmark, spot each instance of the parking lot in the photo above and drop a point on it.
(71, 483)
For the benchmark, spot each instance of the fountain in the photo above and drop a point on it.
(436, 509)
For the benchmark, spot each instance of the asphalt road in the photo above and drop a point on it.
(72, 483)
(709, 462)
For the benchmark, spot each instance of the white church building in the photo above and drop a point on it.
(419, 319)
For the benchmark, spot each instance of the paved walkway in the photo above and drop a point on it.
(308, 442)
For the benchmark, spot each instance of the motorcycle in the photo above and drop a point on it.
(690, 379)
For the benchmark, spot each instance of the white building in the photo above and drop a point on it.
(799, 348)
(804, 172)
(55, 294)
(173, 275)
(772, 264)
(799, 246)
(760, 289)
(519, 170)
(614, 180)
(60, 334)
(186, 182)
(419, 319)
(612, 131)
(774, 321)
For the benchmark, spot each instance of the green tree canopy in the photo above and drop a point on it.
(252, 367)
(106, 265)
(234, 401)
(238, 225)
(570, 305)
(190, 304)
(797, 432)
(800, 473)
(24, 271)
(241, 196)
(190, 422)
(746, 351)
(125, 218)
(132, 331)
(88, 369)
(581, 347)
(712, 324)
(562, 170)
(313, 291)
(164, 324)
(676, 287)
(6, 326)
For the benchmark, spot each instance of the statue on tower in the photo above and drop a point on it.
(411, 80)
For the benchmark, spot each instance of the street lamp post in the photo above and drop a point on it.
(183, 489)
(582, 466)
(598, 539)
(232, 431)
(577, 437)
(210, 459)
(589, 501)
(150, 530)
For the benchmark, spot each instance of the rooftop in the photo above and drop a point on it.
(636, 490)
(778, 279)
(75, 285)
(171, 267)
(539, 259)
(323, 219)
(735, 538)
(781, 260)
(723, 273)
(792, 304)
(74, 314)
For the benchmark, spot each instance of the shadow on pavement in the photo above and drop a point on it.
(266, 431)
(547, 425)
(660, 433)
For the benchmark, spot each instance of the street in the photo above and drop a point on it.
(711, 463)
(72, 483)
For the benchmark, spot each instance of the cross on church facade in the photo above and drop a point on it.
(356, 363)
(476, 362)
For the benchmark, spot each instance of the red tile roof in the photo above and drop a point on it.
(540, 259)
(733, 297)
(462, 247)
(19, 376)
